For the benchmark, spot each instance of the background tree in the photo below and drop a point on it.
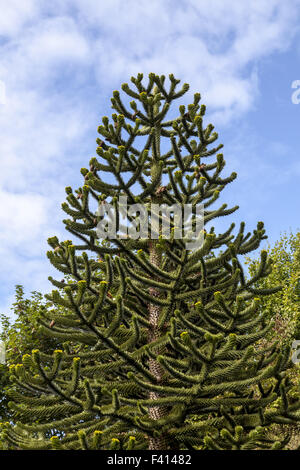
(283, 308)
(284, 305)
(20, 335)
(163, 333)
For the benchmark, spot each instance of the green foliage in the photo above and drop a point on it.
(20, 336)
(284, 309)
(153, 334)
(20, 333)
(284, 305)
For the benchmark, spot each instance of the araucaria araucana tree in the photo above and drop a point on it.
(166, 334)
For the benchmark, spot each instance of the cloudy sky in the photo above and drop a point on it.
(59, 64)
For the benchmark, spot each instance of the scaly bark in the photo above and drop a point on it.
(156, 412)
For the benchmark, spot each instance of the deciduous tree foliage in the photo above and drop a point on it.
(20, 335)
(165, 333)
(284, 306)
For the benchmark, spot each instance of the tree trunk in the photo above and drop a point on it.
(155, 412)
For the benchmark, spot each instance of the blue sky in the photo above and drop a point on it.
(61, 61)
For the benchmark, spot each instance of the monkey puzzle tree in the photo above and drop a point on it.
(166, 333)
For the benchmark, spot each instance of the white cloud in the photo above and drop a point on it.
(21, 215)
(212, 44)
(54, 41)
(40, 130)
(15, 14)
(51, 54)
